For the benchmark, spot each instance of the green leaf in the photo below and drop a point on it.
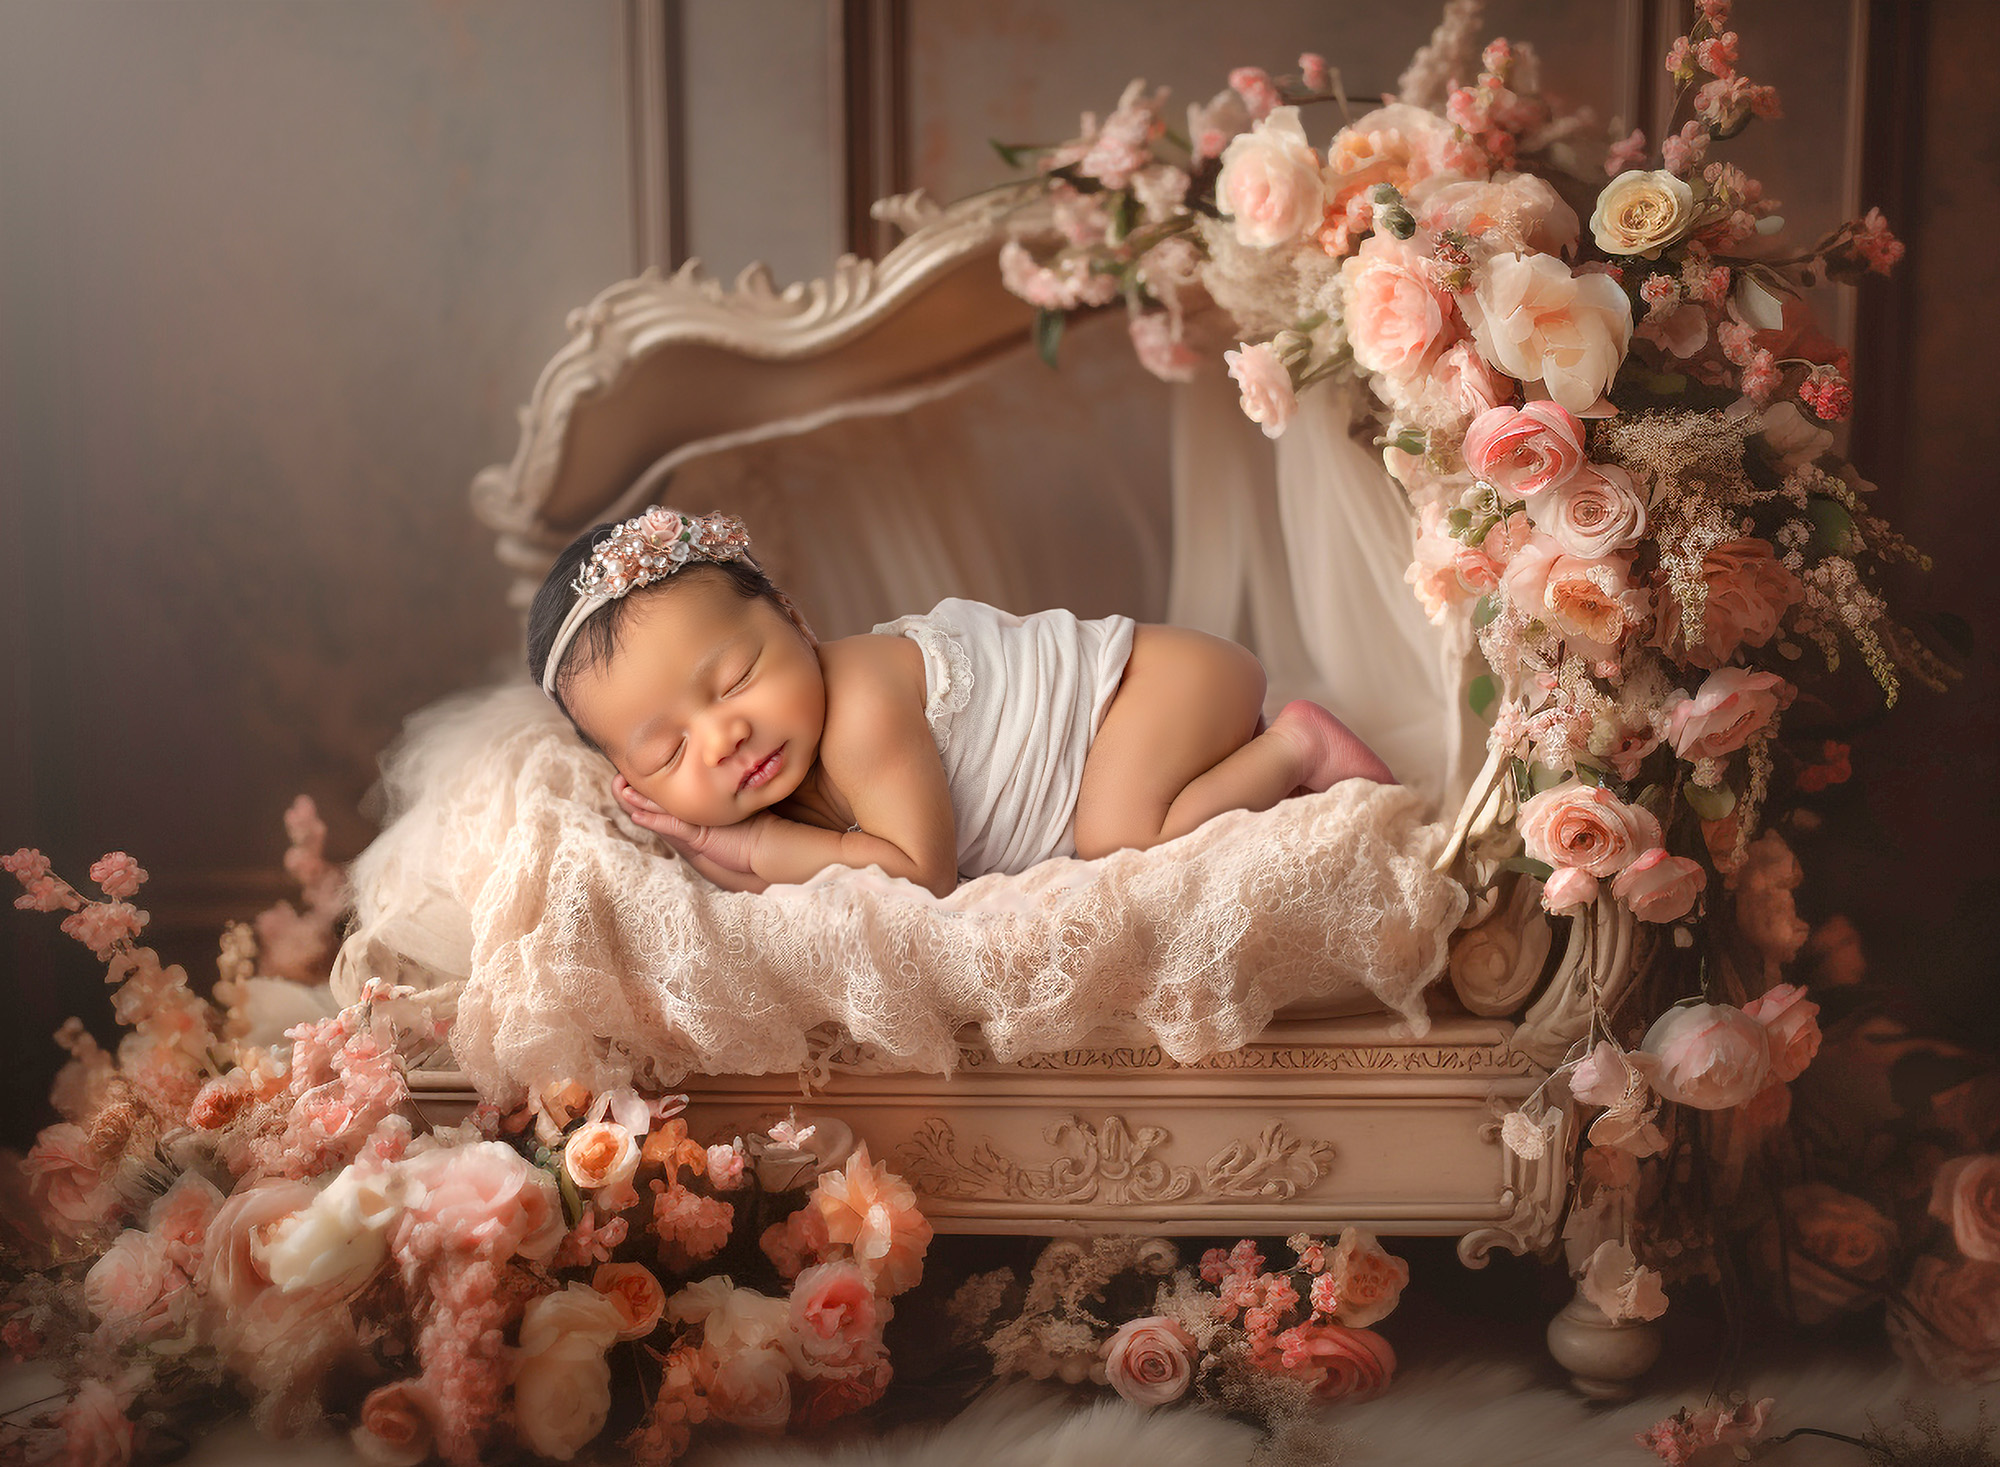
(1122, 211)
(1484, 610)
(1010, 153)
(1589, 775)
(1528, 865)
(1833, 526)
(1048, 334)
(1523, 787)
(1710, 802)
(572, 1198)
(1458, 520)
(1541, 777)
(1482, 694)
(1664, 384)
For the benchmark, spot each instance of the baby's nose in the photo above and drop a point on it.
(725, 737)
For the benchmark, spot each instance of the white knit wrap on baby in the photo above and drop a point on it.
(587, 953)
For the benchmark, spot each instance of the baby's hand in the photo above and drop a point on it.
(727, 846)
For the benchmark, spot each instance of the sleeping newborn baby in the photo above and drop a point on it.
(940, 746)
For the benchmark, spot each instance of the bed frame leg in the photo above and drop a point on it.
(1605, 1361)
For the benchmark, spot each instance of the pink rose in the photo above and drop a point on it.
(484, 1199)
(1749, 591)
(181, 1218)
(1947, 1320)
(395, 1428)
(1597, 512)
(1398, 319)
(1569, 889)
(1536, 321)
(1518, 210)
(1791, 1023)
(1527, 451)
(1966, 1194)
(1659, 887)
(241, 1228)
(93, 1428)
(638, 1294)
(136, 1290)
(1710, 1056)
(835, 1324)
(1270, 187)
(64, 1182)
(1338, 1363)
(1463, 386)
(1732, 704)
(1268, 399)
(752, 1389)
(1150, 1361)
(1588, 827)
(1160, 349)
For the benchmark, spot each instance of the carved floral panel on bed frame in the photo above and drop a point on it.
(1321, 1122)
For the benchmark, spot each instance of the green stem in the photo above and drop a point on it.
(1852, 1441)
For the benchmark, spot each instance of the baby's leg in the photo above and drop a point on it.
(1181, 744)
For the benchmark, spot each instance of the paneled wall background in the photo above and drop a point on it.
(275, 276)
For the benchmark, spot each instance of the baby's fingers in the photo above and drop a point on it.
(630, 798)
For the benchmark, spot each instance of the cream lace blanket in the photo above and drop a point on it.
(585, 952)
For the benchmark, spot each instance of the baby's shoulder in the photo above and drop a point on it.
(871, 677)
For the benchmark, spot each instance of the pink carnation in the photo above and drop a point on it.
(690, 1226)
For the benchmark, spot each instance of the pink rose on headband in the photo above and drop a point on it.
(1587, 827)
(1271, 188)
(1659, 887)
(1710, 1056)
(1527, 451)
(1398, 319)
(1791, 1023)
(1732, 704)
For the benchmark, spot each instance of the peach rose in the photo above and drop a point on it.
(874, 1212)
(1641, 212)
(1586, 601)
(1368, 1280)
(1587, 827)
(835, 1324)
(1597, 512)
(1537, 322)
(562, 1382)
(1150, 1361)
(602, 1154)
(1791, 1023)
(1659, 887)
(1710, 1056)
(1517, 210)
(1398, 319)
(1398, 144)
(1271, 188)
(1569, 889)
(1749, 591)
(484, 1198)
(1338, 1363)
(1268, 399)
(64, 1182)
(752, 1389)
(1525, 452)
(640, 1298)
(1947, 1319)
(1966, 1194)
(136, 1290)
(395, 1428)
(1732, 704)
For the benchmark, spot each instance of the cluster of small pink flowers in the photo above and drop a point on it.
(1876, 244)
(1827, 393)
(690, 1227)
(118, 874)
(102, 926)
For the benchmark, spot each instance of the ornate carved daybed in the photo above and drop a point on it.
(905, 393)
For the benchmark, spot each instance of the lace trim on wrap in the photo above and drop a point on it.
(947, 671)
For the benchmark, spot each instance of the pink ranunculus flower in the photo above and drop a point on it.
(1731, 704)
(835, 1324)
(1268, 399)
(1271, 187)
(1947, 1319)
(1709, 1056)
(874, 1212)
(1791, 1023)
(1588, 827)
(1749, 591)
(1569, 889)
(395, 1429)
(1598, 512)
(1398, 318)
(1526, 451)
(1659, 887)
(1965, 1195)
(1150, 1361)
(1160, 349)
(64, 1181)
(136, 1290)
(484, 1199)
(1536, 321)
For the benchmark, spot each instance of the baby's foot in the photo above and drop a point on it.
(1329, 751)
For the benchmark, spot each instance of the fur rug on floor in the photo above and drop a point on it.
(1481, 1413)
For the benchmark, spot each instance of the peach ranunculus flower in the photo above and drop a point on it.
(1525, 452)
(1641, 212)
(1731, 704)
(484, 1198)
(1791, 1023)
(396, 1428)
(1965, 1194)
(1368, 1280)
(1947, 1319)
(1150, 1361)
(1398, 318)
(1596, 513)
(1588, 827)
(1268, 398)
(1659, 887)
(873, 1212)
(638, 1294)
(1709, 1056)
(601, 1157)
(1749, 591)
(835, 1324)
(562, 1381)
(65, 1183)
(1536, 321)
(1271, 186)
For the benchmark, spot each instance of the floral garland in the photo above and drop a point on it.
(1615, 423)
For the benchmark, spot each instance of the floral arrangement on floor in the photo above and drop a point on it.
(230, 1212)
(1616, 425)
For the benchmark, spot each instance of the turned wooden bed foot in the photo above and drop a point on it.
(1605, 1361)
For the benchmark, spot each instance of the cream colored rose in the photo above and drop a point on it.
(339, 1241)
(562, 1384)
(600, 1155)
(1536, 321)
(1598, 511)
(1641, 212)
(1271, 186)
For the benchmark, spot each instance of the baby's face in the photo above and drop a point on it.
(711, 706)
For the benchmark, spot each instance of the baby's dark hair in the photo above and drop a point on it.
(597, 638)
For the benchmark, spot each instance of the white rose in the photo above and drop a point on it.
(562, 1382)
(1536, 321)
(1271, 186)
(340, 1239)
(732, 1319)
(1268, 399)
(1598, 511)
(1641, 213)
